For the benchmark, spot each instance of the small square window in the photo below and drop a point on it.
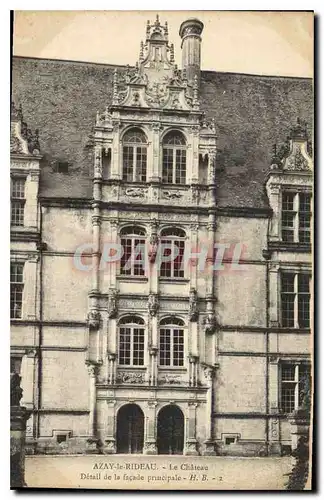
(62, 167)
(61, 438)
(230, 440)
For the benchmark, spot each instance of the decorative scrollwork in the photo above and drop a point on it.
(193, 305)
(93, 319)
(130, 378)
(153, 304)
(112, 303)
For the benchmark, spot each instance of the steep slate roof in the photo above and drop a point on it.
(61, 99)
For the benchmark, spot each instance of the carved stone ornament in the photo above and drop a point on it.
(169, 379)
(171, 195)
(154, 243)
(98, 164)
(210, 324)
(193, 305)
(296, 160)
(16, 391)
(130, 378)
(136, 192)
(153, 304)
(112, 303)
(22, 139)
(94, 320)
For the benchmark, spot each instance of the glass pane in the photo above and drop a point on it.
(124, 346)
(167, 166)
(128, 162)
(180, 166)
(287, 311)
(138, 347)
(303, 310)
(165, 347)
(288, 201)
(303, 283)
(134, 136)
(18, 188)
(305, 202)
(287, 282)
(288, 372)
(141, 164)
(288, 398)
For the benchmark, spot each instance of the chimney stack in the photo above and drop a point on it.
(190, 32)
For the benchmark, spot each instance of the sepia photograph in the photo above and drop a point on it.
(161, 293)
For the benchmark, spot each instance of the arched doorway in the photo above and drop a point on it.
(170, 431)
(130, 429)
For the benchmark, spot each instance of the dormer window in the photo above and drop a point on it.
(134, 156)
(174, 158)
(296, 217)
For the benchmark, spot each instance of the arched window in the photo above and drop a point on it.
(132, 262)
(172, 250)
(174, 158)
(134, 155)
(171, 342)
(131, 341)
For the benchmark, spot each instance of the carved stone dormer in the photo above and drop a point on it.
(295, 154)
(22, 140)
(291, 170)
(155, 82)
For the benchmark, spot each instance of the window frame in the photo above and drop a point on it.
(295, 229)
(136, 324)
(18, 202)
(171, 239)
(137, 149)
(171, 325)
(178, 150)
(297, 295)
(295, 383)
(128, 233)
(14, 286)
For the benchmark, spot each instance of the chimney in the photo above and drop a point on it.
(190, 32)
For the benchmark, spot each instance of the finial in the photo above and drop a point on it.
(166, 29)
(195, 101)
(157, 22)
(115, 88)
(97, 118)
(141, 57)
(172, 53)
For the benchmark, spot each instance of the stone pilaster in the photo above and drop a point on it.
(92, 440)
(190, 447)
(209, 444)
(150, 447)
(110, 441)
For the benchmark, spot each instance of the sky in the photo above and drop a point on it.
(263, 43)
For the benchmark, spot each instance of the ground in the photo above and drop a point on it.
(157, 472)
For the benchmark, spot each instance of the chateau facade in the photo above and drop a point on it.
(161, 253)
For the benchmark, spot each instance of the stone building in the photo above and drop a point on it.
(195, 339)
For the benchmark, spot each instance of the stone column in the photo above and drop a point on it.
(190, 447)
(116, 149)
(150, 429)
(209, 445)
(113, 267)
(273, 294)
(155, 173)
(110, 441)
(18, 418)
(274, 429)
(92, 439)
(96, 247)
